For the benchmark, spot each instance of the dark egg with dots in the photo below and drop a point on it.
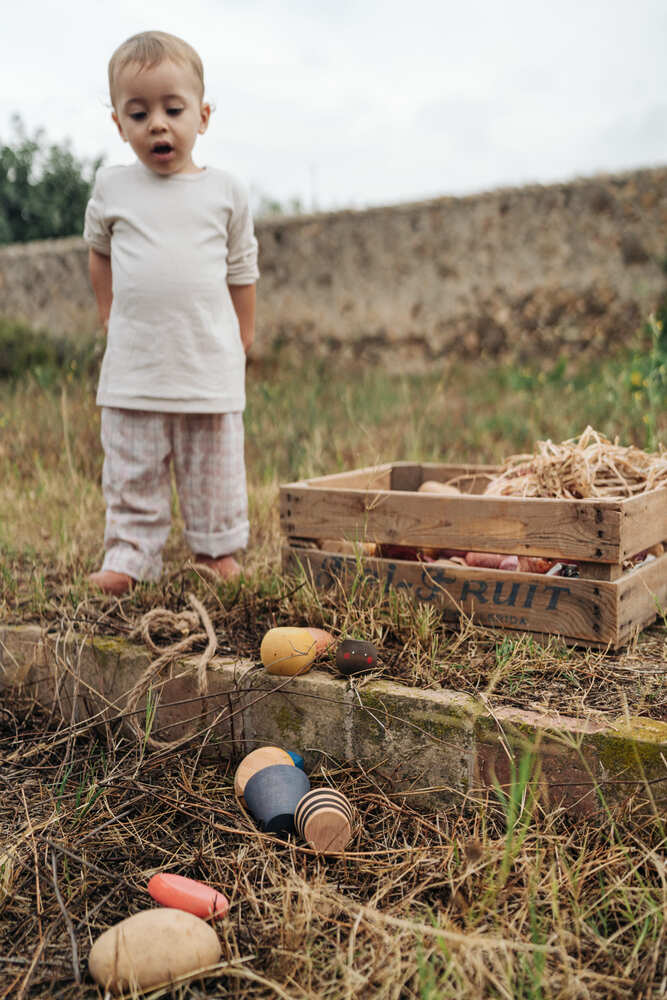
(354, 656)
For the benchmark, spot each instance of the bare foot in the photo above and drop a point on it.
(226, 567)
(111, 582)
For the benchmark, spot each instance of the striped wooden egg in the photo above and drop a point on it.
(322, 796)
(324, 818)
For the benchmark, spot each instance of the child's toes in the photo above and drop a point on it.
(110, 582)
(225, 567)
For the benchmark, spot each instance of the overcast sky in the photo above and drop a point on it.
(359, 102)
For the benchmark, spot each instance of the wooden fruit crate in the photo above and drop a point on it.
(605, 606)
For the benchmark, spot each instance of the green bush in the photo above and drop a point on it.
(44, 188)
(24, 351)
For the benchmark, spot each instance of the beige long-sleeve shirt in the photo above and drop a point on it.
(175, 244)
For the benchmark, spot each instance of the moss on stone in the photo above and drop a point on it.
(630, 756)
(370, 699)
(119, 661)
(523, 735)
(365, 711)
(449, 728)
(646, 730)
(415, 713)
(111, 647)
(289, 721)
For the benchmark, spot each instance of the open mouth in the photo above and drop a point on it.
(161, 148)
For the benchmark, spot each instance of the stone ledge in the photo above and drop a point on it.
(432, 746)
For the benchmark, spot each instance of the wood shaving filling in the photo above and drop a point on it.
(581, 468)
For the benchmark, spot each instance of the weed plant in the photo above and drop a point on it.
(648, 377)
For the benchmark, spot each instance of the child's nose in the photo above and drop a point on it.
(158, 122)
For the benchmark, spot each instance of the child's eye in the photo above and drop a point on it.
(138, 116)
(174, 111)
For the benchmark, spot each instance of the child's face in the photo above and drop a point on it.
(159, 111)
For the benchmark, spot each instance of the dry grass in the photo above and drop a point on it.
(493, 899)
(303, 423)
(500, 900)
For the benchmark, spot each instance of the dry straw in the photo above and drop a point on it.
(451, 902)
(583, 467)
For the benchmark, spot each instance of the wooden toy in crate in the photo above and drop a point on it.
(333, 525)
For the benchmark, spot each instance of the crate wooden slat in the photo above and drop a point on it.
(644, 518)
(556, 528)
(590, 612)
(493, 597)
(377, 477)
(642, 594)
(604, 531)
(410, 475)
(604, 606)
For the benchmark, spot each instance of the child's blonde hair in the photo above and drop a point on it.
(150, 48)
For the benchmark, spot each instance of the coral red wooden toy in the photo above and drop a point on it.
(187, 894)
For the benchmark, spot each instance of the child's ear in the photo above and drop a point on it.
(205, 114)
(114, 117)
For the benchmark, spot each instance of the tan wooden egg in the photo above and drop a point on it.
(432, 486)
(150, 948)
(257, 760)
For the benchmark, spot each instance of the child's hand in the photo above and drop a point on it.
(243, 300)
(100, 277)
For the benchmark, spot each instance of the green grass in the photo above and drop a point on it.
(309, 423)
(314, 420)
(303, 422)
(508, 899)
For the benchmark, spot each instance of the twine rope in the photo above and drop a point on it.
(184, 622)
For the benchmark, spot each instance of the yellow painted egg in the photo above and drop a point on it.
(288, 650)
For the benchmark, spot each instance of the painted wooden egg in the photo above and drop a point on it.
(181, 893)
(353, 656)
(288, 650)
(255, 761)
(324, 818)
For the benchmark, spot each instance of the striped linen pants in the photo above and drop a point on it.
(206, 450)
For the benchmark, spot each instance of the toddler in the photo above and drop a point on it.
(173, 264)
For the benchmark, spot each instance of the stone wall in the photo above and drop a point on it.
(538, 270)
